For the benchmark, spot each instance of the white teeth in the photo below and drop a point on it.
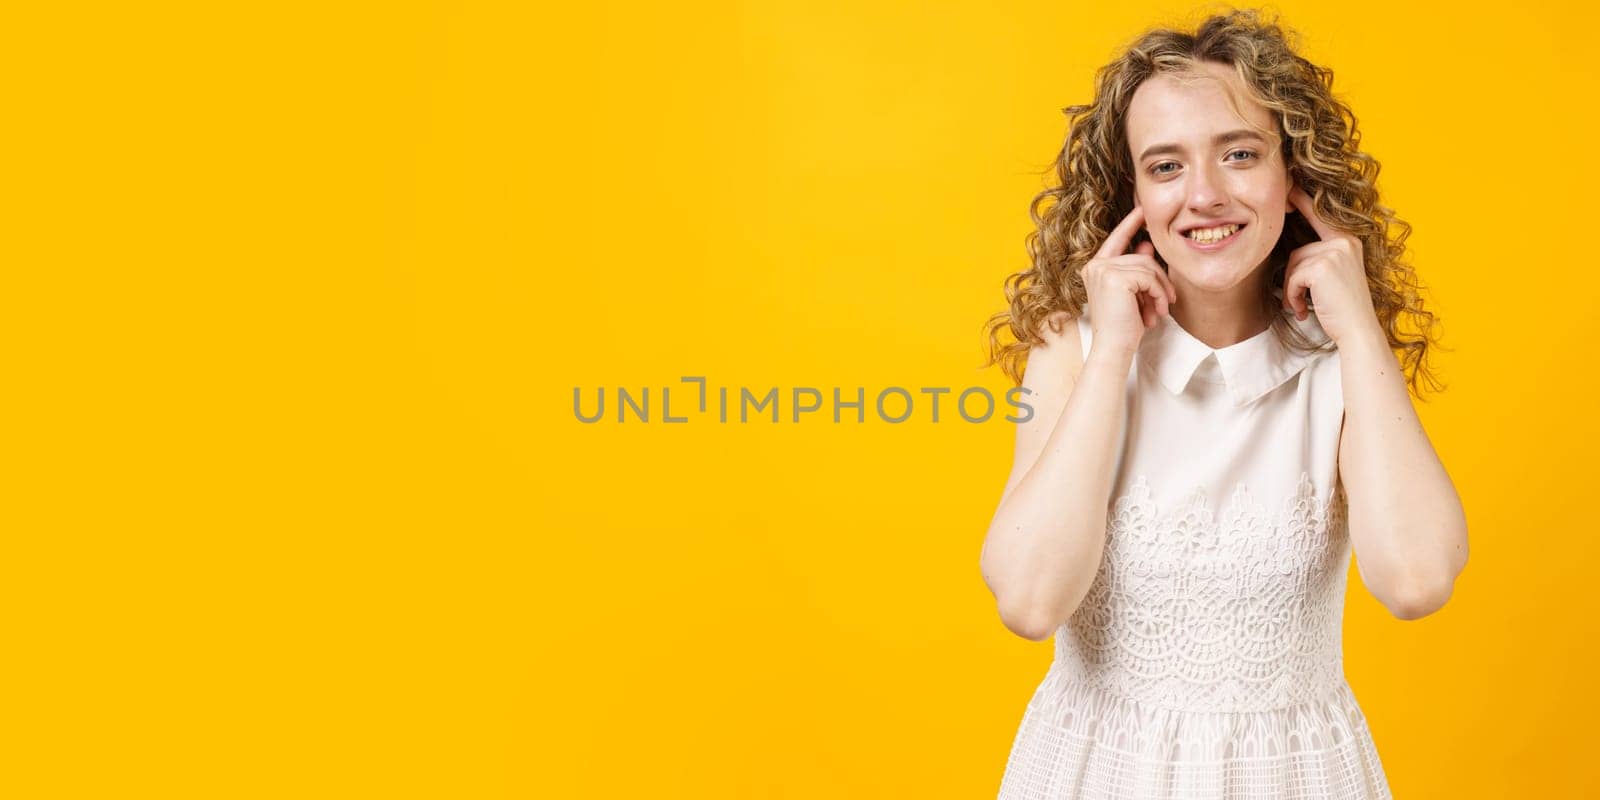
(1207, 235)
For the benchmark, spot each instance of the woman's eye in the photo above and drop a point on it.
(1250, 153)
(1156, 170)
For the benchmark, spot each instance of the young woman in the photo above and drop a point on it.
(1210, 329)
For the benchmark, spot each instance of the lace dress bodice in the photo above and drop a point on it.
(1206, 660)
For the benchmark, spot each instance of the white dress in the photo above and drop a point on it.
(1206, 660)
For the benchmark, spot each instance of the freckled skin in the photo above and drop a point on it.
(1209, 182)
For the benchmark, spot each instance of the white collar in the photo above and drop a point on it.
(1250, 368)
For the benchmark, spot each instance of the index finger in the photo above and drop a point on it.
(1308, 209)
(1117, 241)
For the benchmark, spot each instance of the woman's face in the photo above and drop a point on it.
(1197, 165)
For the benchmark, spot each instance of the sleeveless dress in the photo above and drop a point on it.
(1206, 659)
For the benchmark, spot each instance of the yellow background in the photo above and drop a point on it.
(297, 298)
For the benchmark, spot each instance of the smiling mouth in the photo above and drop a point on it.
(1215, 244)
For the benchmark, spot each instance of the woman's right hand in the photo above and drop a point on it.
(1129, 293)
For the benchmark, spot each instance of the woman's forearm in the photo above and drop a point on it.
(1406, 521)
(1047, 536)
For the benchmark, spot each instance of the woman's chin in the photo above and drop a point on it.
(1211, 277)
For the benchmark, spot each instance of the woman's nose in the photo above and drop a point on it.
(1205, 187)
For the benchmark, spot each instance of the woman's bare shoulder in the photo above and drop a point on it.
(1061, 353)
(1059, 323)
(1060, 332)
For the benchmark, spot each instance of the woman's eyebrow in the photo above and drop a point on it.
(1219, 139)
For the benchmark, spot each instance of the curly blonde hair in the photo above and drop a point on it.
(1320, 147)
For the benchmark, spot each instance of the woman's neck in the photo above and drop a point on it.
(1220, 319)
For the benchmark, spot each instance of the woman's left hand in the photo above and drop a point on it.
(1331, 274)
